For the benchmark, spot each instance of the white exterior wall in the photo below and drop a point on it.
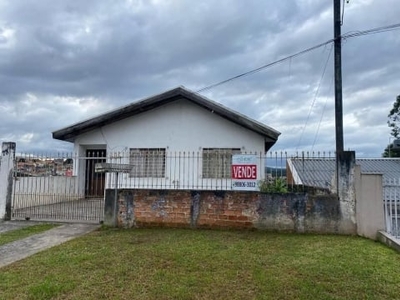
(6, 175)
(32, 191)
(180, 126)
(369, 204)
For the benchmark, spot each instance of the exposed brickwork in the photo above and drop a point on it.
(207, 209)
(159, 208)
(227, 209)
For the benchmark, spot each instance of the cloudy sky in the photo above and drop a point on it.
(65, 61)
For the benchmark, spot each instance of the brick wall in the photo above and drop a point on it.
(227, 209)
(159, 208)
(207, 209)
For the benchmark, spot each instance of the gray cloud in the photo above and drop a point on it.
(64, 61)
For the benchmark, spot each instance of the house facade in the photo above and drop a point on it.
(177, 139)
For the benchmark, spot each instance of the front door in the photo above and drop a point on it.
(94, 182)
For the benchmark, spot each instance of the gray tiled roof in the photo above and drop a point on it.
(180, 93)
(320, 171)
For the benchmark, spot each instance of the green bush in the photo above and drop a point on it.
(276, 185)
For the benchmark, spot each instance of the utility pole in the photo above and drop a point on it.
(338, 85)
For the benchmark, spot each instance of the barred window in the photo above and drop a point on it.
(147, 162)
(217, 162)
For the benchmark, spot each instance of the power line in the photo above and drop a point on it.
(265, 66)
(345, 36)
(322, 115)
(315, 97)
(371, 31)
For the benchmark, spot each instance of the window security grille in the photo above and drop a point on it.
(217, 162)
(147, 162)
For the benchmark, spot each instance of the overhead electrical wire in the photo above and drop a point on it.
(322, 114)
(315, 97)
(345, 36)
(265, 66)
(353, 34)
(371, 31)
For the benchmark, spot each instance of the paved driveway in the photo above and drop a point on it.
(82, 210)
(26, 247)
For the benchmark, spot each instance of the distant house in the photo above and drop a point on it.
(174, 139)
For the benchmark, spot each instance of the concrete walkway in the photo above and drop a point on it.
(33, 244)
(14, 225)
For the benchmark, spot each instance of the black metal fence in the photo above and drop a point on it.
(67, 186)
(46, 188)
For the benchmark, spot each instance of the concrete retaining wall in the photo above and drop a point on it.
(207, 209)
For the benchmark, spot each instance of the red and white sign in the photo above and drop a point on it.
(244, 172)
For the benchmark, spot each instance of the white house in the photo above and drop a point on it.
(176, 139)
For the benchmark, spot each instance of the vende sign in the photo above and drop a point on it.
(244, 172)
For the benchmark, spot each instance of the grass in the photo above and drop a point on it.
(201, 264)
(11, 236)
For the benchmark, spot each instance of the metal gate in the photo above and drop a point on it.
(50, 188)
(391, 199)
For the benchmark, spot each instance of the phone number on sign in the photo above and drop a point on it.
(239, 184)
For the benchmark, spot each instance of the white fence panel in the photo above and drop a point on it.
(44, 190)
(391, 198)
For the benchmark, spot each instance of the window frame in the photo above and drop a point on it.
(220, 156)
(151, 160)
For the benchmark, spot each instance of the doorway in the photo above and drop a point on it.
(94, 182)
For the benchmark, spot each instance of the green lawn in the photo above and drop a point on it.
(11, 236)
(205, 264)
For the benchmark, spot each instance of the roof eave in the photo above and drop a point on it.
(71, 132)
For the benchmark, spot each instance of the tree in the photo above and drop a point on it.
(394, 118)
(393, 123)
(390, 151)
